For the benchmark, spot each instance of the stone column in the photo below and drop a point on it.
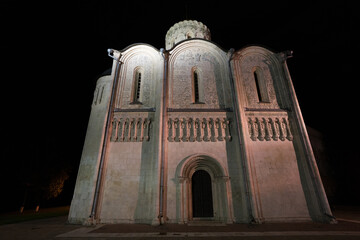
(198, 127)
(147, 129)
(131, 130)
(114, 130)
(268, 129)
(275, 130)
(212, 128)
(217, 127)
(261, 129)
(253, 130)
(176, 129)
(136, 124)
(170, 130)
(121, 130)
(191, 130)
(183, 130)
(227, 130)
(128, 132)
(289, 135)
(205, 126)
(281, 129)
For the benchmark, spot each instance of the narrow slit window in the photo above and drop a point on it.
(261, 87)
(138, 87)
(136, 90)
(196, 87)
(101, 95)
(257, 83)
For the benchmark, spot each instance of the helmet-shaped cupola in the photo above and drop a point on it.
(185, 30)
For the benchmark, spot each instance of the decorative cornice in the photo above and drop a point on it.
(265, 110)
(199, 110)
(135, 110)
(198, 129)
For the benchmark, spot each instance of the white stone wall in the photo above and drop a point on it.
(200, 134)
(252, 144)
(211, 62)
(147, 59)
(130, 189)
(276, 175)
(81, 203)
(250, 62)
(274, 158)
(177, 152)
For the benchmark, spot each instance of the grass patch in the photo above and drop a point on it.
(28, 215)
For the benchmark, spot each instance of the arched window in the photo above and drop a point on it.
(136, 89)
(138, 86)
(196, 86)
(261, 88)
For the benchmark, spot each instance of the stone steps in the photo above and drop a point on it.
(202, 223)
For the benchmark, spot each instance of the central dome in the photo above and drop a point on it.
(185, 30)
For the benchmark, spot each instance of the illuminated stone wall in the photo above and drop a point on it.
(81, 204)
(130, 185)
(196, 107)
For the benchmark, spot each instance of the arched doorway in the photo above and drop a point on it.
(202, 200)
(205, 178)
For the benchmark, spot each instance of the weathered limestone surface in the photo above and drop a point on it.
(278, 181)
(196, 107)
(81, 204)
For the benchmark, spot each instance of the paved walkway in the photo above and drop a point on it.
(348, 227)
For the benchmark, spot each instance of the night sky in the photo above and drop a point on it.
(52, 54)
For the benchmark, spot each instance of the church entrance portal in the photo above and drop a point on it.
(202, 201)
(204, 190)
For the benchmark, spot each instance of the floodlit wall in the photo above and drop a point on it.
(81, 204)
(196, 107)
(129, 192)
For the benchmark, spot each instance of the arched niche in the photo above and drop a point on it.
(221, 189)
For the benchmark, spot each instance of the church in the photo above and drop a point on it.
(193, 132)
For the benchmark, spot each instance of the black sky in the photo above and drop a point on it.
(52, 54)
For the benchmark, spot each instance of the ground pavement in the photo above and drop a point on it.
(56, 228)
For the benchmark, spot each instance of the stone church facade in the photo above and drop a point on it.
(195, 132)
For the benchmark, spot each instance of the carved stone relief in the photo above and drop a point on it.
(210, 82)
(198, 129)
(130, 130)
(139, 61)
(269, 128)
(248, 64)
(184, 30)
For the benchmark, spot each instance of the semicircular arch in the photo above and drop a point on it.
(196, 162)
